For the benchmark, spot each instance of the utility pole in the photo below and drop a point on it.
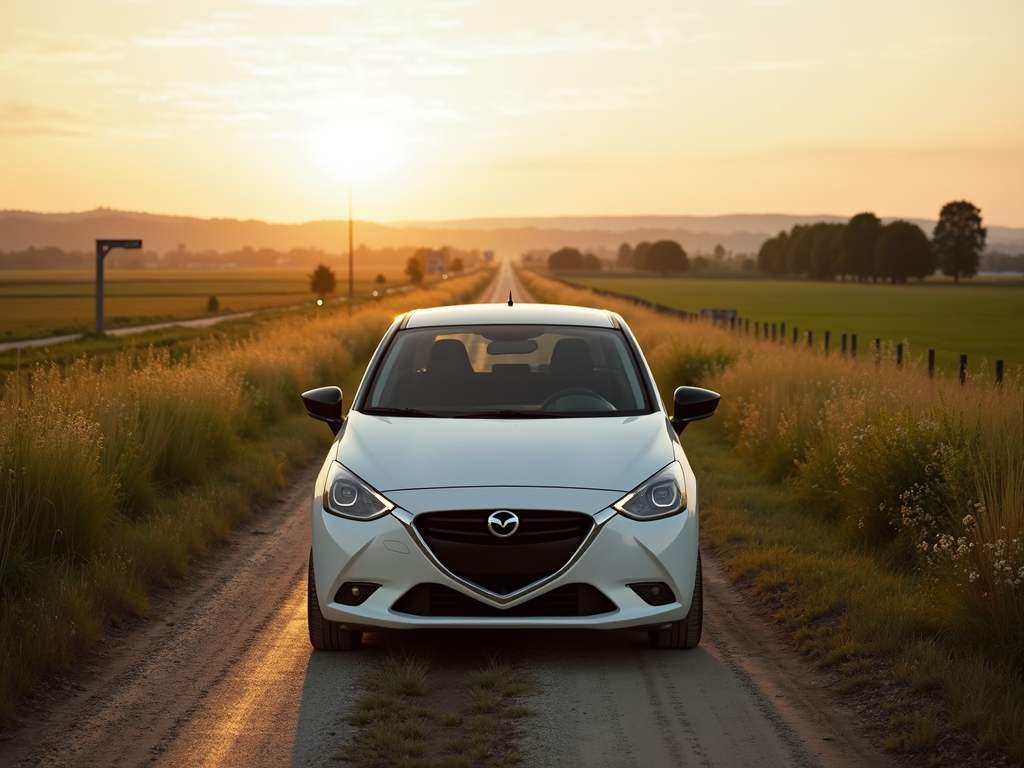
(103, 247)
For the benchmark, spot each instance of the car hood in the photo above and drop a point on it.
(606, 453)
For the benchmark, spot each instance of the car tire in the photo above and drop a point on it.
(686, 632)
(326, 635)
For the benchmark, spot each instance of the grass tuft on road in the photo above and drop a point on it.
(405, 717)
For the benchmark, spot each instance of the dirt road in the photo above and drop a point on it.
(221, 673)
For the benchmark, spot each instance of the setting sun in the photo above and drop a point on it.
(356, 150)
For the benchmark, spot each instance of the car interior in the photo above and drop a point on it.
(550, 370)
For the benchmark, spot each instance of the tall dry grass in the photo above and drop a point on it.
(926, 473)
(112, 475)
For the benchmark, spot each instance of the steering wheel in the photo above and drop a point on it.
(580, 399)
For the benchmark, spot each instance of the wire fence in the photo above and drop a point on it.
(776, 332)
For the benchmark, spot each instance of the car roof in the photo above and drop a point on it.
(502, 314)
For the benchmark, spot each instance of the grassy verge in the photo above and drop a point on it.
(116, 471)
(873, 626)
(877, 514)
(411, 717)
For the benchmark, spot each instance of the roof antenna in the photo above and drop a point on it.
(510, 298)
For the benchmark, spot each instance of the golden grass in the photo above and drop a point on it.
(899, 526)
(113, 474)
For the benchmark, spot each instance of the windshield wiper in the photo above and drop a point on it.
(508, 414)
(397, 412)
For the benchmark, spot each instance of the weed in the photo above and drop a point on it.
(919, 731)
(395, 729)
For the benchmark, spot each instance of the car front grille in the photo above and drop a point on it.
(439, 600)
(544, 542)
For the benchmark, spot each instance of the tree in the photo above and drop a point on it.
(719, 252)
(625, 256)
(565, 259)
(771, 258)
(381, 280)
(456, 265)
(826, 250)
(859, 241)
(959, 239)
(798, 257)
(591, 263)
(903, 251)
(414, 271)
(640, 255)
(667, 256)
(322, 281)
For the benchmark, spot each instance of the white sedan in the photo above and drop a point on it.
(506, 466)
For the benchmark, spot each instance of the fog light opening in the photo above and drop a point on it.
(355, 592)
(654, 592)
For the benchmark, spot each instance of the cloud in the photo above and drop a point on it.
(36, 49)
(768, 66)
(19, 118)
(571, 100)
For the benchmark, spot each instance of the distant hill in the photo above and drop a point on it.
(509, 236)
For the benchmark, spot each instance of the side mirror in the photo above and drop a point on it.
(324, 404)
(692, 404)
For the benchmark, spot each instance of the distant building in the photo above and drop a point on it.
(436, 263)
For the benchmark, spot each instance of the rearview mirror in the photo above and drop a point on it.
(324, 404)
(692, 404)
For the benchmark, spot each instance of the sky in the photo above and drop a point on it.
(449, 109)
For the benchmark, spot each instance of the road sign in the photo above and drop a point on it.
(103, 247)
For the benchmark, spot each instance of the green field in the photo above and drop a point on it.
(50, 302)
(982, 319)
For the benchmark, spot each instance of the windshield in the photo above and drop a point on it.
(507, 371)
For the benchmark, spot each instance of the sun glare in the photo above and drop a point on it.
(357, 150)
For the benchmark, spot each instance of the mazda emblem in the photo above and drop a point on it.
(503, 523)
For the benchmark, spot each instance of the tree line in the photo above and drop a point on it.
(664, 256)
(865, 249)
(183, 258)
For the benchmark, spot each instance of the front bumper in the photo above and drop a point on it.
(620, 551)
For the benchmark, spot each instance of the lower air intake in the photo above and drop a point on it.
(442, 601)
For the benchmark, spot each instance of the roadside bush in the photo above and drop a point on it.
(112, 476)
(926, 474)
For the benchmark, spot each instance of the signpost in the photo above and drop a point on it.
(103, 247)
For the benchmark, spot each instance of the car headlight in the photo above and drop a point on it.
(345, 495)
(660, 496)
